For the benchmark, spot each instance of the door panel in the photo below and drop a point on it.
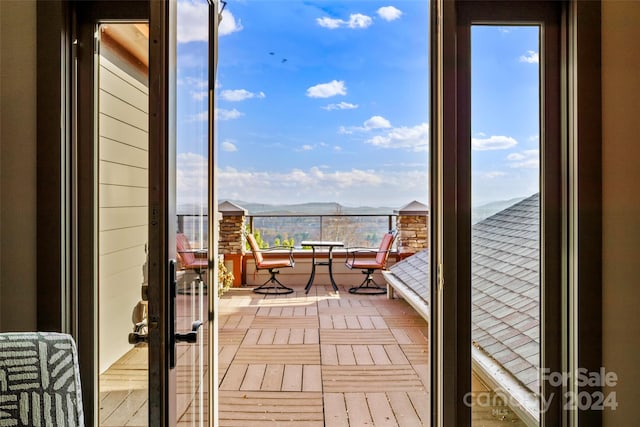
(122, 147)
(505, 224)
(193, 282)
(509, 286)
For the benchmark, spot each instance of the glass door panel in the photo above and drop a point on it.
(193, 292)
(506, 223)
(122, 88)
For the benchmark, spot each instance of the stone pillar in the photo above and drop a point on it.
(231, 239)
(412, 226)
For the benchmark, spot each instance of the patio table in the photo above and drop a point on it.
(314, 261)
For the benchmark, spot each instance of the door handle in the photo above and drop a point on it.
(137, 338)
(190, 337)
(176, 337)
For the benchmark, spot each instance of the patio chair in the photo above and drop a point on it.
(191, 259)
(37, 367)
(282, 260)
(362, 258)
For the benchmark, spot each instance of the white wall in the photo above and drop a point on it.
(123, 201)
(621, 204)
(17, 165)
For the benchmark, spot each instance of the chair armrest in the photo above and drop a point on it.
(198, 253)
(269, 252)
(352, 253)
(275, 248)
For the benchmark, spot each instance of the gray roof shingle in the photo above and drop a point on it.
(505, 281)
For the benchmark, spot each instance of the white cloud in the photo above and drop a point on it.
(389, 13)
(352, 186)
(193, 22)
(200, 117)
(306, 147)
(198, 88)
(193, 82)
(337, 148)
(222, 114)
(240, 95)
(414, 138)
(229, 24)
(531, 57)
(494, 142)
(340, 106)
(372, 123)
(191, 178)
(199, 96)
(330, 23)
(228, 146)
(492, 174)
(528, 159)
(377, 122)
(326, 90)
(394, 187)
(356, 20)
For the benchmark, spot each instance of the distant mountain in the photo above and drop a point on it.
(485, 211)
(478, 213)
(320, 208)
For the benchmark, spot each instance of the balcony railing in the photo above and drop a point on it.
(364, 230)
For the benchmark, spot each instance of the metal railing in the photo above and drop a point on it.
(364, 230)
(353, 229)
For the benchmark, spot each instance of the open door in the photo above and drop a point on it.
(182, 242)
(141, 95)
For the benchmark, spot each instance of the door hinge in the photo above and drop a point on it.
(74, 49)
(440, 277)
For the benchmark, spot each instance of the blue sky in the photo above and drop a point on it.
(328, 101)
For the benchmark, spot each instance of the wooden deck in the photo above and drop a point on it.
(323, 359)
(326, 358)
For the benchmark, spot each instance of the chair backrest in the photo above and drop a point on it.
(182, 244)
(40, 380)
(255, 249)
(385, 247)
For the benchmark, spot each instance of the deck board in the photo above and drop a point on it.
(322, 359)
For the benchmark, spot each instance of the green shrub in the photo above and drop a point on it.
(225, 278)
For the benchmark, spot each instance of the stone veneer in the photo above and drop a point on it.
(231, 240)
(231, 237)
(412, 227)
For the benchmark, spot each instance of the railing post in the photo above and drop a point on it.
(412, 223)
(180, 223)
(232, 241)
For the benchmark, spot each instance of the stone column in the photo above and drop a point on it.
(231, 240)
(412, 226)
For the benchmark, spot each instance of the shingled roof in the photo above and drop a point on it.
(505, 269)
(505, 283)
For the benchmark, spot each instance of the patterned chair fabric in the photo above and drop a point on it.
(39, 380)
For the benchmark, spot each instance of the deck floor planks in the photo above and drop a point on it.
(323, 359)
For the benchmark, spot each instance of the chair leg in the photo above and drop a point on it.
(368, 286)
(272, 286)
(193, 288)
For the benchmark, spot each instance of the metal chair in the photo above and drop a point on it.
(361, 258)
(191, 259)
(284, 260)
